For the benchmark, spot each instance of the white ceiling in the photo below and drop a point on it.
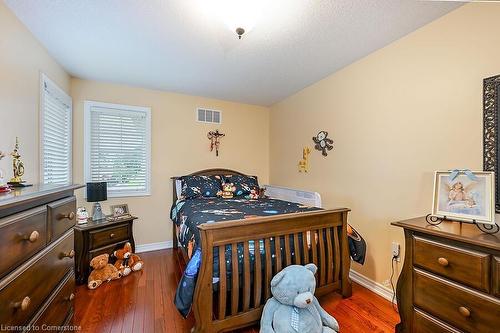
(176, 45)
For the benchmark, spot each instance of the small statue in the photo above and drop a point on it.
(214, 136)
(17, 164)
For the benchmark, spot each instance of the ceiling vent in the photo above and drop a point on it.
(208, 116)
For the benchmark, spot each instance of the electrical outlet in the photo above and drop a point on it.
(395, 250)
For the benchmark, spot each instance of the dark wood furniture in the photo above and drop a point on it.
(37, 280)
(450, 280)
(98, 237)
(231, 308)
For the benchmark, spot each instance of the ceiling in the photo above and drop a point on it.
(184, 46)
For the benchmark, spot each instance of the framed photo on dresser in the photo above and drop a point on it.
(464, 195)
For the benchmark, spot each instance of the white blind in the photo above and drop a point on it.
(55, 133)
(119, 148)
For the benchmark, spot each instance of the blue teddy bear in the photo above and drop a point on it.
(293, 307)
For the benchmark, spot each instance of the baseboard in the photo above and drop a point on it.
(154, 246)
(371, 285)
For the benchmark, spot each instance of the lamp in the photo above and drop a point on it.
(97, 192)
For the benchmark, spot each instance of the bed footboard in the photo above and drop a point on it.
(318, 237)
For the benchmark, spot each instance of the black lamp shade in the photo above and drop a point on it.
(97, 192)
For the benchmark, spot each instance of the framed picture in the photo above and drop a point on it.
(464, 196)
(120, 210)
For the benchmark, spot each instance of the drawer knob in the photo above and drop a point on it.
(69, 216)
(443, 262)
(23, 305)
(464, 311)
(69, 254)
(112, 235)
(33, 237)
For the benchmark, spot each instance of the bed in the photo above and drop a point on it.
(265, 235)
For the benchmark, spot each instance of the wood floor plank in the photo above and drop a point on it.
(144, 302)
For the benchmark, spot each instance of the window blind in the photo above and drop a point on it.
(55, 133)
(119, 148)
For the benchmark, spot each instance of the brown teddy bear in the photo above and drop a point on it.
(126, 261)
(103, 271)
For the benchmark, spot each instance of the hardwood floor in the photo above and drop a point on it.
(143, 302)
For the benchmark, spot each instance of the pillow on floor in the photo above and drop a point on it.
(243, 184)
(200, 186)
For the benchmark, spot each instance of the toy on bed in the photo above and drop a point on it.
(227, 190)
(126, 261)
(103, 271)
(293, 307)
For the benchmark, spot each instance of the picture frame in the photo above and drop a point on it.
(465, 196)
(120, 210)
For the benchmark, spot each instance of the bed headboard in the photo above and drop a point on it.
(206, 172)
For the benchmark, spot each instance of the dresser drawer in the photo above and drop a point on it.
(26, 288)
(106, 236)
(496, 276)
(467, 309)
(21, 236)
(466, 266)
(58, 307)
(61, 216)
(425, 323)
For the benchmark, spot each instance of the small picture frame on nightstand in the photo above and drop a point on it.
(120, 211)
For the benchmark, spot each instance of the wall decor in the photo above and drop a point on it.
(465, 196)
(214, 136)
(322, 142)
(304, 162)
(491, 143)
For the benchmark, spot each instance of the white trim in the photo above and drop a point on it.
(371, 285)
(86, 166)
(45, 80)
(154, 246)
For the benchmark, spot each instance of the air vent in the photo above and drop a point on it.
(208, 116)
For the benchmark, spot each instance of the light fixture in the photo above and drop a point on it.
(240, 32)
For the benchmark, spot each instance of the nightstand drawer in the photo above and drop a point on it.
(22, 236)
(61, 216)
(467, 309)
(425, 323)
(106, 236)
(496, 276)
(25, 289)
(469, 267)
(59, 306)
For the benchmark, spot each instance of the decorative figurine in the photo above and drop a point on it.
(82, 215)
(304, 162)
(214, 136)
(17, 167)
(322, 142)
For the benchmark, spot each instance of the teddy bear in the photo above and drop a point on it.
(103, 271)
(293, 307)
(253, 195)
(227, 190)
(126, 261)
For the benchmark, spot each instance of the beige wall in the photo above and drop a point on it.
(179, 145)
(22, 58)
(397, 115)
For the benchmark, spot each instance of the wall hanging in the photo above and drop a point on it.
(214, 136)
(304, 162)
(322, 142)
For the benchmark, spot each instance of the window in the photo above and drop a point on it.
(55, 133)
(118, 147)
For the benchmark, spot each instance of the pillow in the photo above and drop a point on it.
(243, 184)
(200, 186)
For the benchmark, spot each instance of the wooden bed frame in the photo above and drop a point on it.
(228, 308)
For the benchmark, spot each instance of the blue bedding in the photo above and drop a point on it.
(188, 214)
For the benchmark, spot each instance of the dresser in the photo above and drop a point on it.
(37, 278)
(450, 280)
(98, 237)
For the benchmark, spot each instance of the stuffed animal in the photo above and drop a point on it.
(293, 307)
(227, 190)
(126, 261)
(254, 195)
(103, 271)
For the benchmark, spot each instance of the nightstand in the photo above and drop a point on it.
(99, 237)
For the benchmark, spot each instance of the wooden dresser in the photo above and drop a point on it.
(37, 268)
(450, 280)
